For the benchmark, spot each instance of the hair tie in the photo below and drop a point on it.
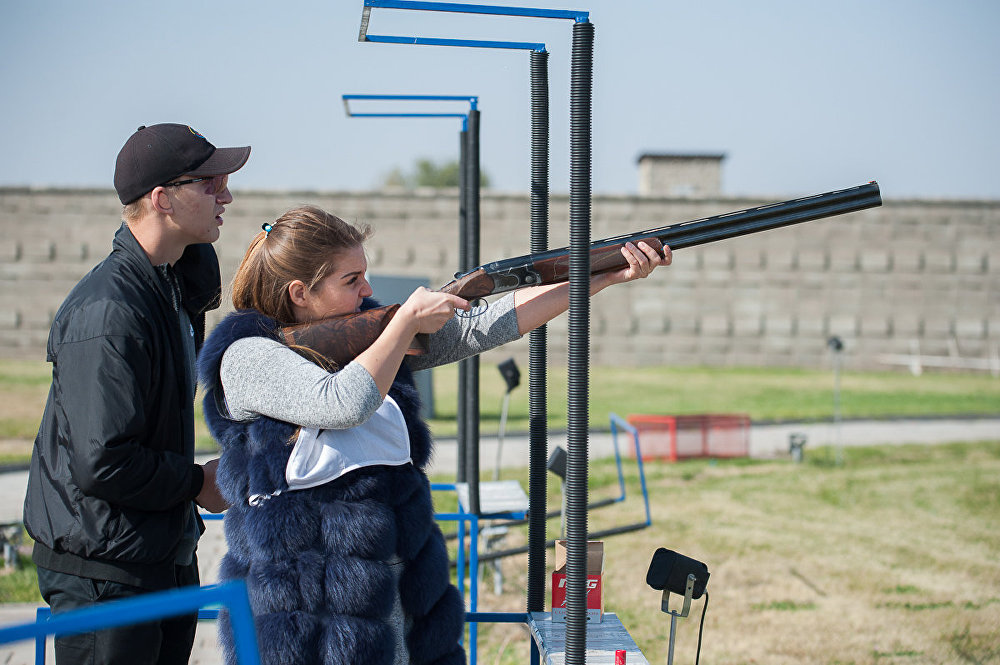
(267, 229)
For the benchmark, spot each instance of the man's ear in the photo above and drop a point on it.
(161, 201)
(297, 292)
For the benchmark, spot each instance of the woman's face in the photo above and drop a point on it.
(340, 292)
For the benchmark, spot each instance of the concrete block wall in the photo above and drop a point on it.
(914, 273)
(680, 175)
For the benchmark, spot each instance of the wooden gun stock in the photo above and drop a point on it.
(341, 339)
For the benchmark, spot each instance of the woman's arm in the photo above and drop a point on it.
(262, 376)
(538, 305)
(424, 311)
(517, 313)
(466, 336)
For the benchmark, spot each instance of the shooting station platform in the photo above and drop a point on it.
(603, 639)
(496, 497)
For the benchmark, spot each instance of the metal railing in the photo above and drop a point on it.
(146, 607)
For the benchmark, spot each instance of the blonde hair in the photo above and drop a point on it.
(133, 212)
(303, 244)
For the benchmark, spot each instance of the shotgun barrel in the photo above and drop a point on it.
(605, 255)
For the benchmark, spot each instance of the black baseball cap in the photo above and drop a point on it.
(157, 154)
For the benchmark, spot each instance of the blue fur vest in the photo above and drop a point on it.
(315, 560)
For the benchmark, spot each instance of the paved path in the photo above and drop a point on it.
(766, 441)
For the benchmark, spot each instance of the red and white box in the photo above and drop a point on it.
(595, 582)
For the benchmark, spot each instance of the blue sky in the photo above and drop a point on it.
(800, 96)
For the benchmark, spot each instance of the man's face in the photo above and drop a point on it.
(198, 207)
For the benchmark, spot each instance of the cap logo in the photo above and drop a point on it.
(191, 129)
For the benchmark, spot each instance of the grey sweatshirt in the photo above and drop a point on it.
(261, 376)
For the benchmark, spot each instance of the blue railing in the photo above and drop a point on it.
(146, 607)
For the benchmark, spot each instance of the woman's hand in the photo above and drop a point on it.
(539, 304)
(424, 311)
(643, 259)
(428, 311)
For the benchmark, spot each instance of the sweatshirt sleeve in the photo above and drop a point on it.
(262, 376)
(469, 335)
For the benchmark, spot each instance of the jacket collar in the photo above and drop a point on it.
(197, 271)
(129, 249)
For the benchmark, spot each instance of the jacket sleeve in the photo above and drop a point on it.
(107, 385)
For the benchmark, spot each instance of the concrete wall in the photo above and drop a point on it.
(697, 176)
(913, 271)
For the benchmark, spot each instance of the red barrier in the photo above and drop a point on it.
(686, 437)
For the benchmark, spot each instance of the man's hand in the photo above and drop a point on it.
(209, 498)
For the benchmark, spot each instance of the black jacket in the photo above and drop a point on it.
(112, 472)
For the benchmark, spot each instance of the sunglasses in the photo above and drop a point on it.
(216, 183)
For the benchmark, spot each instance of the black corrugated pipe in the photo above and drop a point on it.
(537, 341)
(471, 395)
(578, 411)
(463, 266)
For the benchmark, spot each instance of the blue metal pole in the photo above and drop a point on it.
(147, 607)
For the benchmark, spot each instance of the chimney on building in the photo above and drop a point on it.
(696, 176)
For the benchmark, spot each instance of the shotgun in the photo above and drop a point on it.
(342, 338)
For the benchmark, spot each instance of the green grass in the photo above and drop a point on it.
(23, 388)
(765, 394)
(20, 584)
(783, 606)
(19, 374)
(887, 558)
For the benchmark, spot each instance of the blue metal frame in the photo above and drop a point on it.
(146, 608)
(529, 12)
(472, 569)
(437, 41)
(45, 624)
(473, 101)
(417, 5)
(616, 422)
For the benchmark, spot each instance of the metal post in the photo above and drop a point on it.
(537, 340)
(836, 345)
(471, 396)
(463, 266)
(578, 407)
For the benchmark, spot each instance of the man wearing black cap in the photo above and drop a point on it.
(113, 483)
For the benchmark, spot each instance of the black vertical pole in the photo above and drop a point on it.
(463, 266)
(472, 253)
(578, 411)
(537, 340)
